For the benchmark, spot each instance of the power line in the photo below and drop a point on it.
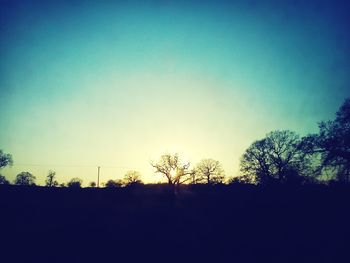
(70, 165)
(51, 165)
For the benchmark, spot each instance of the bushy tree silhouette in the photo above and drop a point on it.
(25, 178)
(3, 180)
(132, 178)
(51, 179)
(5, 159)
(242, 179)
(113, 183)
(75, 183)
(279, 157)
(333, 142)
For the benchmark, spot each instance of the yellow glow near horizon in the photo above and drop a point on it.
(182, 115)
(118, 85)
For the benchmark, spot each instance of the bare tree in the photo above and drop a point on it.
(173, 169)
(51, 179)
(209, 171)
(280, 156)
(132, 178)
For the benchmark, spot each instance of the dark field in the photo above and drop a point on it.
(236, 223)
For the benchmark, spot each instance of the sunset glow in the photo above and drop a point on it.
(118, 85)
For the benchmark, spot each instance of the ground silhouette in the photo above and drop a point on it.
(200, 223)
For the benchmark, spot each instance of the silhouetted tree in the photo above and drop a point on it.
(50, 179)
(75, 183)
(242, 179)
(113, 183)
(92, 184)
(333, 142)
(280, 157)
(5, 159)
(209, 171)
(132, 178)
(25, 178)
(3, 180)
(171, 167)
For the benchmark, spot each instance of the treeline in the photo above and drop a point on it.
(285, 157)
(282, 157)
(131, 178)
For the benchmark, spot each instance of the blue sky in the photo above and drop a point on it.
(88, 83)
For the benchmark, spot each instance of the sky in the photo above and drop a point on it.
(117, 84)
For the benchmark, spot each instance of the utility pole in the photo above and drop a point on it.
(98, 176)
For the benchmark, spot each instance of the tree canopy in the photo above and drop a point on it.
(278, 157)
(113, 183)
(3, 180)
(132, 178)
(209, 171)
(75, 183)
(5, 159)
(25, 178)
(333, 142)
(51, 179)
